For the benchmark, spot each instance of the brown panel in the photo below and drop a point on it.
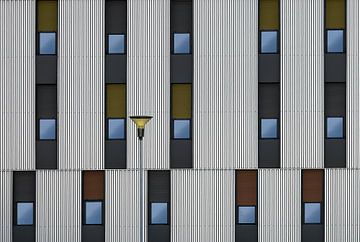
(313, 186)
(93, 185)
(47, 16)
(269, 15)
(335, 14)
(246, 187)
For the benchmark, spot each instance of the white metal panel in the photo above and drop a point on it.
(202, 205)
(81, 84)
(17, 85)
(148, 84)
(342, 209)
(279, 192)
(6, 209)
(58, 206)
(225, 84)
(302, 83)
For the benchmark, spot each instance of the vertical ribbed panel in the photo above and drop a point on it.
(202, 205)
(122, 211)
(225, 84)
(302, 83)
(6, 206)
(342, 210)
(148, 81)
(279, 205)
(81, 84)
(58, 206)
(17, 85)
(352, 83)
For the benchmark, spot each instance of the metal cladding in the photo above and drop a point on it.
(6, 206)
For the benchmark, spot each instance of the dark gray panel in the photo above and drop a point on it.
(93, 233)
(335, 153)
(335, 68)
(312, 233)
(46, 101)
(116, 16)
(335, 99)
(23, 233)
(159, 233)
(24, 186)
(115, 154)
(181, 69)
(181, 16)
(46, 69)
(269, 68)
(269, 100)
(46, 154)
(246, 233)
(159, 186)
(115, 69)
(269, 153)
(181, 154)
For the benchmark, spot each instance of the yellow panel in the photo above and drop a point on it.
(47, 16)
(116, 101)
(335, 14)
(269, 14)
(181, 101)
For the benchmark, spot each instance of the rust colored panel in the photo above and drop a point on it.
(246, 187)
(313, 186)
(93, 185)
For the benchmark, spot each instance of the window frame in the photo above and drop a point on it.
(173, 43)
(16, 213)
(107, 128)
(277, 42)
(173, 128)
(39, 129)
(102, 212)
(326, 41)
(321, 213)
(150, 213)
(277, 129)
(343, 128)
(107, 44)
(237, 215)
(38, 43)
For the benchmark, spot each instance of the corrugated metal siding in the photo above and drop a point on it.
(342, 210)
(352, 121)
(302, 83)
(148, 84)
(225, 84)
(6, 209)
(279, 205)
(202, 205)
(17, 85)
(58, 206)
(81, 38)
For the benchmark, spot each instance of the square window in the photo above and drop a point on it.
(93, 211)
(334, 127)
(335, 41)
(269, 42)
(116, 129)
(47, 129)
(182, 43)
(47, 44)
(312, 213)
(159, 213)
(25, 213)
(116, 44)
(181, 129)
(269, 129)
(246, 214)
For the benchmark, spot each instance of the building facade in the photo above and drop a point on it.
(255, 130)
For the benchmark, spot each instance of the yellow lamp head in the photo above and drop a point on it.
(140, 122)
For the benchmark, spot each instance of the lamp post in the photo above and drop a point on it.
(140, 122)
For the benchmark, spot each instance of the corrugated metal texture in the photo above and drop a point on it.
(17, 85)
(6, 206)
(58, 206)
(202, 205)
(148, 84)
(225, 84)
(342, 210)
(122, 211)
(302, 83)
(279, 196)
(352, 94)
(81, 38)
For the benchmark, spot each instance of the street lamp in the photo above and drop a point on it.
(140, 122)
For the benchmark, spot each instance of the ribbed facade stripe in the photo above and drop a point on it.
(17, 85)
(6, 206)
(81, 84)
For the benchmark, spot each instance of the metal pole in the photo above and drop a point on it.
(142, 239)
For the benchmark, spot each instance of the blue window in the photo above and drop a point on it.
(334, 127)
(93, 212)
(116, 44)
(335, 41)
(269, 129)
(269, 42)
(47, 129)
(182, 43)
(246, 214)
(47, 44)
(25, 213)
(181, 129)
(312, 214)
(159, 213)
(116, 129)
